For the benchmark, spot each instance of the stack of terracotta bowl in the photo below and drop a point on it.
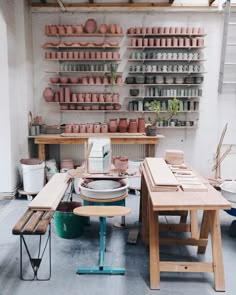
(174, 157)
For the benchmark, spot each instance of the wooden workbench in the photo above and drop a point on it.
(116, 138)
(155, 203)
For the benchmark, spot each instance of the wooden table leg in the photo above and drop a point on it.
(154, 255)
(204, 230)
(218, 266)
(144, 208)
(194, 224)
(41, 151)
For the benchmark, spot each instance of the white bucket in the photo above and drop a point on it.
(228, 190)
(33, 175)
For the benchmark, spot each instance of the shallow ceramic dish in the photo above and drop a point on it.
(228, 190)
(104, 184)
(104, 194)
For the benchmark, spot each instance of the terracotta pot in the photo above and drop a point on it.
(84, 80)
(105, 80)
(47, 29)
(79, 29)
(62, 95)
(108, 97)
(91, 80)
(61, 30)
(72, 107)
(133, 42)
(57, 97)
(133, 126)
(101, 97)
(115, 97)
(94, 97)
(120, 163)
(113, 28)
(68, 128)
(69, 29)
(103, 28)
(48, 94)
(98, 80)
(53, 29)
(87, 55)
(67, 94)
(90, 26)
(123, 125)
(119, 29)
(82, 128)
(74, 97)
(113, 125)
(96, 128)
(87, 97)
(80, 97)
(75, 128)
(47, 54)
(104, 128)
(118, 80)
(89, 128)
(141, 125)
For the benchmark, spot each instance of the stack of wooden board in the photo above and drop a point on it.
(160, 176)
(188, 180)
(51, 194)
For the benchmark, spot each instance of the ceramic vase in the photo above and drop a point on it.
(141, 125)
(113, 28)
(90, 26)
(103, 28)
(113, 125)
(48, 94)
(79, 29)
(123, 125)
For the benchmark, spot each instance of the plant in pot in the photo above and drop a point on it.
(154, 106)
(173, 108)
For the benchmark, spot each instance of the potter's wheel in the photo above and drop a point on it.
(103, 185)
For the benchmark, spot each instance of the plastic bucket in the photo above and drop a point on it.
(68, 225)
(33, 171)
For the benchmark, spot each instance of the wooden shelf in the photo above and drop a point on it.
(177, 127)
(85, 35)
(166, 35)
(82, 47)
(166, 47)
(146, 96)
(86, 103)
(86, 85)
(164, 60)
(186, 73)
(81, 72)
(166, 84)
(90, 59)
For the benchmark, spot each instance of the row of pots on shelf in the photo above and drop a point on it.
(65, 55)
(94, 107)
(167, 42)
(124, 125)
(98, 80)
(89, 67)
(80, 44)
(169, 55)
(65, 95)
(166, 68)
(166, 30)
(89, 27)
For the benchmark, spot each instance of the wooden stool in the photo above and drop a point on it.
(102, 212)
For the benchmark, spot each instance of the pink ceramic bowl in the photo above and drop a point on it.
(74, 80)
(64, 79)
(54, 80)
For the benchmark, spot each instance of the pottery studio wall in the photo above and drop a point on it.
(191, 141)
(16, 90)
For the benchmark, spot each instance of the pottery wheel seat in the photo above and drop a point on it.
(102, 212)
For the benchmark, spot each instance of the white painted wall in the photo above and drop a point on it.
(16, 87)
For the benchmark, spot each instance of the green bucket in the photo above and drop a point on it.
(68, 225)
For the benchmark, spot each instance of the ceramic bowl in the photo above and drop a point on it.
(134, 92)
(64, 79)
(74, 80)
(54, 80)
(104, 193)
(130, 80)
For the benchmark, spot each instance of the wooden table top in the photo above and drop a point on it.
(180, 200)
(103, 211)
(119, 138)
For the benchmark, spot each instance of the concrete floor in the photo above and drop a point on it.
(68, 255)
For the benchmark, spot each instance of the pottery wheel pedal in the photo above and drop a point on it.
(102, 212)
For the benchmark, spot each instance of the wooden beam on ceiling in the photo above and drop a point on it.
(61, 4)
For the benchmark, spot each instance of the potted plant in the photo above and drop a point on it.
(155, 106)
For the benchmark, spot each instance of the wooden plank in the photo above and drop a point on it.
(167, 266)
(21, 223)
(44, 222)
(178, 228)
(183, 241)
(104, 211)
(194, 224)
(217, 251)
(154, 255)
(51, 192)
(160, 172)
(33, 222)
(204, 230)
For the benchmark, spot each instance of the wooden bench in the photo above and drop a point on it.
(36, 221)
